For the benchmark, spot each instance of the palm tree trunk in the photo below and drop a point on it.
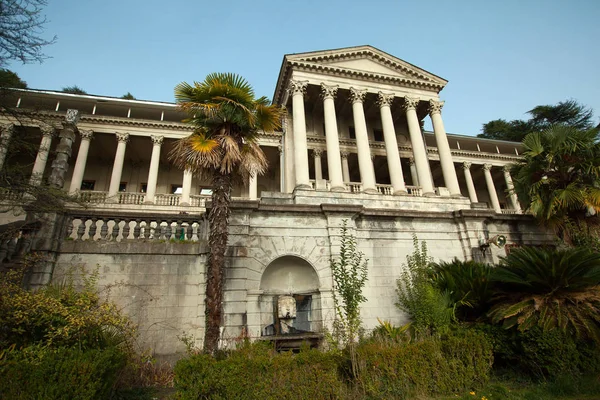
(218, 219)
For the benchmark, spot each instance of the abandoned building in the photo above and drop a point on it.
(352, 148)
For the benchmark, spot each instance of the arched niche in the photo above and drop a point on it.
(289, 274)
(290, 277)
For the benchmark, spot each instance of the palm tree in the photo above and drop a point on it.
(552, 289)
(559, 178)
(223, 149)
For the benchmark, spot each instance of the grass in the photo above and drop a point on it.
(563, 388)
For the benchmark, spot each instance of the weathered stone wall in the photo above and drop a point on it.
(160, 285)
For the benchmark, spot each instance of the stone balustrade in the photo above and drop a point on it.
(415, 191)
(120, 227)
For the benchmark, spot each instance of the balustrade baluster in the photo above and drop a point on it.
(115, 230)
(137, 229)
(190, 232)
(126, 228)
(168, 230)
(80, 229)
(93, 227)
(104, 230)
(69, 222)
(12, 245)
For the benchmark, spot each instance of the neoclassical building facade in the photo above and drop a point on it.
(352, 149)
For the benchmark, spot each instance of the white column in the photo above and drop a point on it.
(413, 172)
(42, 155)
(469, 179)
(391, 144)
(318, 168)
(82, 154)
(288, 157)
(282, 177)
(418, 146)
(253, 187)
(514, 200)
(153, 171)
(491, 188)
(334, 162)
(441, 139)
(297, 88)
(365, 166)
(115, 178)
(186, 187)
(345, 167)
(7, 132)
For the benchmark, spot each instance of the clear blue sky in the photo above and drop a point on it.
(501, 58)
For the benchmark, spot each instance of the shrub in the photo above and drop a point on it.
(430, 310)
(257, 372)
(467, 282)
(64, 373)
(60, 315)
(541, 354)
(455, 362)
(550, 289)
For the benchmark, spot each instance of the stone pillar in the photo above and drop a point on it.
(115, 178)
(391, 144)
(253, 187)
(288, 158)
(491, 188)
(60, 165)
(7, 132)
(514, 200)
(345, 167)
(469, 179)
(413, 172)
(418, 146)
(42, 155)
(153, 171)
(365, 166)
(282, 175)
(186, 187)
(441, 139)
(334, 162)
(298, 88)
(79, 170)
(318, 169)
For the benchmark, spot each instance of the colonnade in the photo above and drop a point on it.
(335, 163)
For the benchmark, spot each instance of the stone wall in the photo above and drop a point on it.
(160, 283)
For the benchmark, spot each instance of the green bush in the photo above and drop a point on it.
(257, 372)
(456, 361)
(541, 355)
(64, 373)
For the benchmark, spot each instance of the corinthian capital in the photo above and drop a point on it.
(8, 129)
(122, 137)
(328, 92)
(317, 153)
(357, 95)
(47, 130)
(466, 165)
(86, 134)
(385, 99)
(297, 87)
(411, 103)
(157, 140)
(435, 107)
(487, 167)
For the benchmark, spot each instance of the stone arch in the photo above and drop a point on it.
(289, 274)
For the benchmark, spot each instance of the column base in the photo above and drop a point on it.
(400, 192)
(371, 191)
(184, 203)
(338, 189)
(429, 194)
(303, 186)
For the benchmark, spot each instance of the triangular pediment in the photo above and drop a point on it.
(363, 63)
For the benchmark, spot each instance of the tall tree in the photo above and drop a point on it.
(558, 178)
(9, 79)
(21, 23)
(223, 148)
(73, 90)
(542, 117)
